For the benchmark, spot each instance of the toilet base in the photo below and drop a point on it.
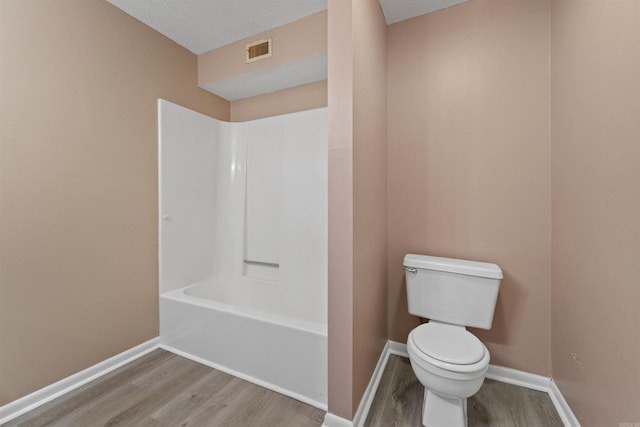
(442, 411)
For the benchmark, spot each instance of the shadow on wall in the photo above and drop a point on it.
(505, 318)
(401, 308)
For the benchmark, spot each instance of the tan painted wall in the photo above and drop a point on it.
(300, 39)
(340, 162)
(78, 232)
(468, 176)
(299, 98)
(595, 134)
(357, 199)
(469, 168)
(369, 192)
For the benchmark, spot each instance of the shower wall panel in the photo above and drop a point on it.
(187, 173)
(243, 208)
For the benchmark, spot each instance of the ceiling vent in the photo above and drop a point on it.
(258, 50)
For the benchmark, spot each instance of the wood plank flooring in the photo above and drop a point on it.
(162, 389)
(398, 402)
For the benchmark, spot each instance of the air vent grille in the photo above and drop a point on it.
(258, 50)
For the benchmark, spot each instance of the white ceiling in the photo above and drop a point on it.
(399, 10)
(295, 73)
(203, 25)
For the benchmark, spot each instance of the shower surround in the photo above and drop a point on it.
(243, 246)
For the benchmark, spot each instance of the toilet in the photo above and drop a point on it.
(449, 361)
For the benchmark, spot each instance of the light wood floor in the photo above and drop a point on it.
(398, 402)
(163, 389)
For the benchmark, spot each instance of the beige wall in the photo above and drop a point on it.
(469, 168)
(369, 192)
(357, 199)
(300, 39)
(595, 132)
(340, 162)
(79, 83)
(299, 98)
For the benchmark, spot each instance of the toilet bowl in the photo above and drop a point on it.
(448, 360)
(451, 364)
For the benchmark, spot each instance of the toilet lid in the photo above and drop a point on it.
(448, 344)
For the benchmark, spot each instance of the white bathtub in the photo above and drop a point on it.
(254, 255)
(281, 353)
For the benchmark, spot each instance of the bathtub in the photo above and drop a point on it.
(242, 264)
(281, 353)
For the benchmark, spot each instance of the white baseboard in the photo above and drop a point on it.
(331, 420)
(519, 378)
(497, 373)
(565, 412)
(391, 347)
(367, 398)
(398, 348)
(40, 397)
(536, 382)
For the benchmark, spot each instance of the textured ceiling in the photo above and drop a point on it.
(203, 25)
(295, 73)
(399, 10)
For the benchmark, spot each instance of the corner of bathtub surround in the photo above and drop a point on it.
(39, 397)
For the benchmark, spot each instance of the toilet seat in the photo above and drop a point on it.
(448, 343)
(418, 353)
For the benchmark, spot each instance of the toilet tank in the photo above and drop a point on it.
(451, 290)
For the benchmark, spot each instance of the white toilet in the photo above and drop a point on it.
(449, 361)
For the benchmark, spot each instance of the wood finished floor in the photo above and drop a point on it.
(162, 389)
(398, 402)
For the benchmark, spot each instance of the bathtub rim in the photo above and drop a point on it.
(307, 326)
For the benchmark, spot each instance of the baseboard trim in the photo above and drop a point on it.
(398, 348)
(536, 382)
(331, 420)
(497, 373)
(566, 414)
(519, 378)
(39, 397)
(391, 347)
(367, 398)
(249, 378)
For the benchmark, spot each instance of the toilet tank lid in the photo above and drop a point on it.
(451, 265)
